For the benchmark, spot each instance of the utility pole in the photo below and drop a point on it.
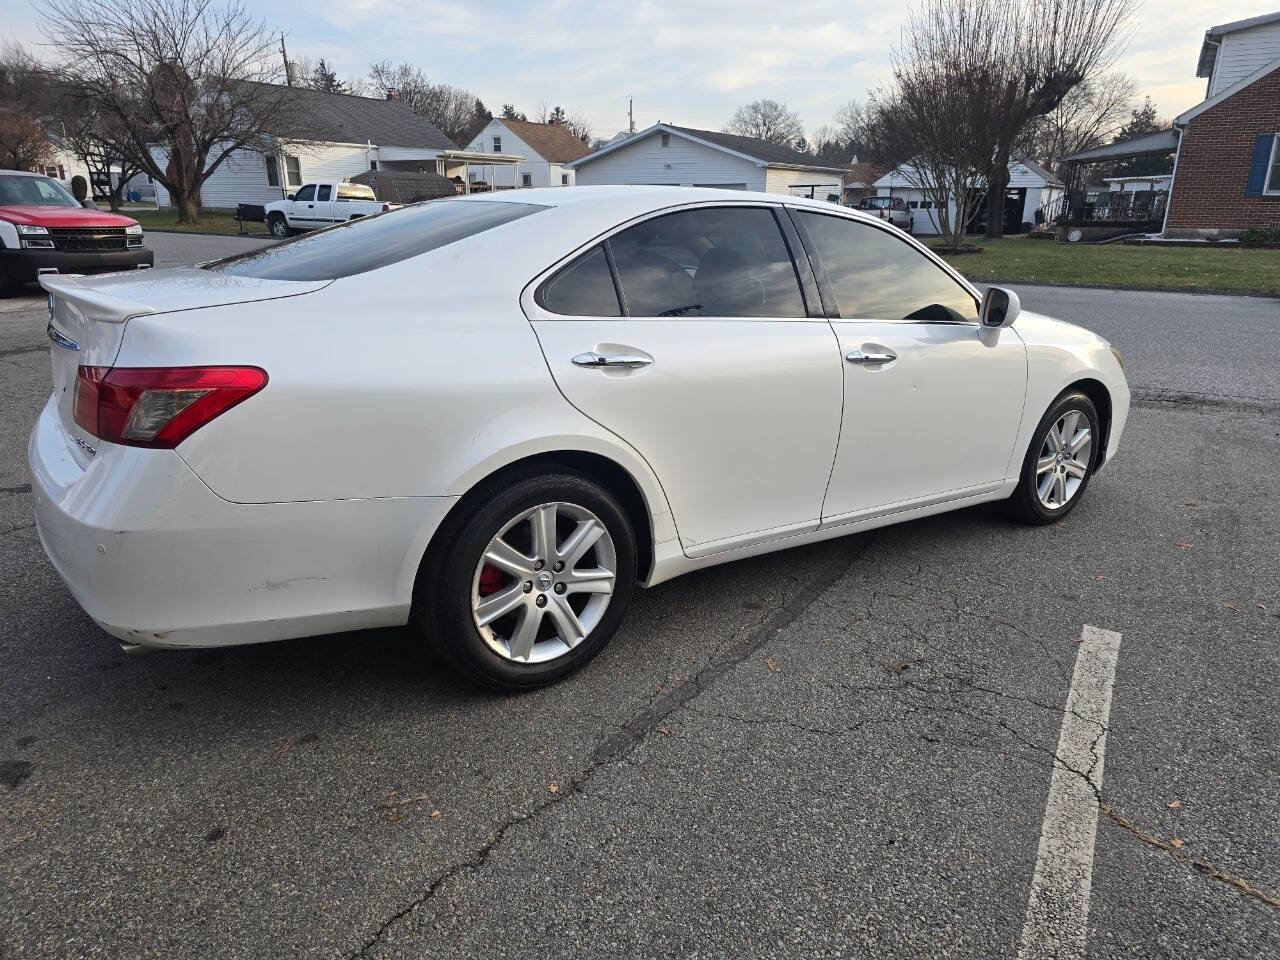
(631, 116)
(288, 74)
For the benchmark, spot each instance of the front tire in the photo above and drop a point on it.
(529, 582)
(278, 226)
(1059, 462)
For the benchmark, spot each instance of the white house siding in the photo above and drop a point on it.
(1040, 193)
(680, 163)
(541, 173)
(778, 180)
(242, 177)
(1242, 52)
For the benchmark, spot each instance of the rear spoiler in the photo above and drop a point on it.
(93, 303)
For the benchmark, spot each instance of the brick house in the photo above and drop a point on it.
(1226, 174)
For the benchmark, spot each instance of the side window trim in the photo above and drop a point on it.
(623, 309)
(824, 281)
(825, 291)
(813, 305)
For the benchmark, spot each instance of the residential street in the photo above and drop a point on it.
(843, 750)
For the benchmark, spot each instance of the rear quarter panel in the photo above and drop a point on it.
(417, 379)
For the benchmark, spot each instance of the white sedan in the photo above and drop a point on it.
(490, 417)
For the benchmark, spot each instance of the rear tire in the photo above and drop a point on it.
(9, 287)
(515, 626)
(1059, 462)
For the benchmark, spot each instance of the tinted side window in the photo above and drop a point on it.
(325, 192)
(306, 193)
(877, 276)
(583, 288)
(367, 243)
(717, 262)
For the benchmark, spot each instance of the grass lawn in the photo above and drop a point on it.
(1017, 259)
(209, 222)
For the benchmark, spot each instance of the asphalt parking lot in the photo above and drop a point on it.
(845, 750)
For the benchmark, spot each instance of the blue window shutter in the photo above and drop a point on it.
(1258, 169)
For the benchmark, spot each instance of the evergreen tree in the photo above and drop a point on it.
(325, 79)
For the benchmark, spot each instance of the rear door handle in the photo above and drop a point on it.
(593, 359)
(857, 356)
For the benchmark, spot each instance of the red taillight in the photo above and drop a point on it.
(158, 406)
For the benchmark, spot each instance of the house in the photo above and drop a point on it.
(1226, 169)
(1032, 197)
(334, 135)
(859, 181)
(682, 156)
(547, 147)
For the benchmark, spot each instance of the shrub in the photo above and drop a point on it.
(79, 187)
(1267, 235)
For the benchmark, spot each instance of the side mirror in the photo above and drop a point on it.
(1000, 307)
(289, 197)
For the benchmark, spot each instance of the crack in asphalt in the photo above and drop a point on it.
(19, 351)
(618, 747)
(1187, 398)
(17, 488)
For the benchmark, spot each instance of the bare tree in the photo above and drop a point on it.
(24, 98)
(767, 120)
(576, 122)
(933, 123)
(850, 121)
(185, 82)
(453, 110)
(1089, 116)
(100, 141)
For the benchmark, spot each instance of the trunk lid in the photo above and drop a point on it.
(88, 316)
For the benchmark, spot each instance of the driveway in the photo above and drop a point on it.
(845, 750)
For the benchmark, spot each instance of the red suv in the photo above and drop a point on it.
(43, 229)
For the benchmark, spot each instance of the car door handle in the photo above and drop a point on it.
(593, 359)
(857, 356)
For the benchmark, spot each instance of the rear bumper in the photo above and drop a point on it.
(25, 265)
(156, 558)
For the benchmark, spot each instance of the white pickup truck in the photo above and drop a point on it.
(320, 205)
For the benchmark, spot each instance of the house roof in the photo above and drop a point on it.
(1186, 117)
(553, 142)
(1209, 48)
(760, 152)
(863, 174)
(346, 118)
(1163, 141)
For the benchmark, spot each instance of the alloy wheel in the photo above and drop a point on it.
(544, 582)
(1064, 459)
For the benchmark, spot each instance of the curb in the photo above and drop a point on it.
(1197, 291)
(210, 233)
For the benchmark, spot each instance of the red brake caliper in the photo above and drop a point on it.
(490, 580)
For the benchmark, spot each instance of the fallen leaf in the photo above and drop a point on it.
(1228, 605)
(898, 665)
(1186, 546)
(552, 788)
(395, 816)
(771, 665)
(1174, 804)
(663, 730)
(1176, 843)
(435, 813)
(1099, 577)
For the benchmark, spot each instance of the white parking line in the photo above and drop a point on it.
(1058, 910)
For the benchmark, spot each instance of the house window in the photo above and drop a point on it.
(292, 171)
(1273, 174)
(666, 139)
(52, 173)
(564, 179)
(273, 170)
(497, 144)
(373, 164)
(526, 179)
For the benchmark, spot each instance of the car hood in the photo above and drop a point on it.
(53, 215)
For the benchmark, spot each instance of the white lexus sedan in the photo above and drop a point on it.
(490, 417)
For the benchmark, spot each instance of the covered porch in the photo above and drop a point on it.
(1134, 203)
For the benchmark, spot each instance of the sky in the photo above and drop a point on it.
(687, 62)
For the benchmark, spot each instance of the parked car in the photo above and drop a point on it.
(893, 209)
(43, 229)
(322, 205)
(491, 417)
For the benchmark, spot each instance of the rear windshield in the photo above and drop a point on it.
(372, 242)
(878, 203)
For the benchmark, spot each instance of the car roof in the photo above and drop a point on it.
(624, 201)
(21, 173)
